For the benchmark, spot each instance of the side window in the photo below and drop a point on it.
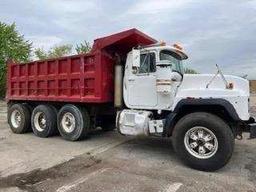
(147, 63)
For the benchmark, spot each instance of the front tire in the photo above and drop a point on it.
(203, 141)
(73, 122)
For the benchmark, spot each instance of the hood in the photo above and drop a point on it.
(198, 83)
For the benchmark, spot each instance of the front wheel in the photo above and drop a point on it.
(203, 141)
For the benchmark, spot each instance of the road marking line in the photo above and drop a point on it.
(74, 184)
(173, 187)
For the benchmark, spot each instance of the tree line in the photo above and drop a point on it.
(14, 46)
(62, 50)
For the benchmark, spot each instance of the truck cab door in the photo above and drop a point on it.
(141, 82)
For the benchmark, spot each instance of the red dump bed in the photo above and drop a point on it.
(78, 78)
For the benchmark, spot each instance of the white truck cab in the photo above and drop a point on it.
(202, 112)
(156, 81)
(151, 81)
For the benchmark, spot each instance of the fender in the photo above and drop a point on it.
(170, 119)
(208, 102)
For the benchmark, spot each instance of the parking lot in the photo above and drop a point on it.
(111, 162)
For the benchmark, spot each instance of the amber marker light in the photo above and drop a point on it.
(177, 46)
(162, 43)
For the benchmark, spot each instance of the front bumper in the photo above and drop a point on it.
(252, 128)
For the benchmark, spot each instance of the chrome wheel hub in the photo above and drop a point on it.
(40, 121)
(16, 118)
(201, 142)
(68, 122)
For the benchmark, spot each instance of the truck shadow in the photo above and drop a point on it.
(155, 143)
(143, 147)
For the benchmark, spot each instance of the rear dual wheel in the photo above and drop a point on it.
(73, 122)
(44, 121)
(19, 118)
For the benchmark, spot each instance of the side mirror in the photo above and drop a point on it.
(176, 77)
(135, 58)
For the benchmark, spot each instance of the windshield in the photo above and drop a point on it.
(177, 64)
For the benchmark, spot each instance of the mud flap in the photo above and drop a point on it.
(252, 130)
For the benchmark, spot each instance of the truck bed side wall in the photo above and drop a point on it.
(80, 78)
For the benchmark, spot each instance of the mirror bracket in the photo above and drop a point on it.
(135, 58)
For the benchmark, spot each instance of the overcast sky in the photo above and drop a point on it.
(211, 31)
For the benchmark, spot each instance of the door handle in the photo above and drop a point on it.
(131, 79)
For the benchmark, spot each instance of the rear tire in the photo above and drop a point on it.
(44, 121)
(19, 118)
(73, 122)
(203, 141)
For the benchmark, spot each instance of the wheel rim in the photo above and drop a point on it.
(40, 121)
(68, 122)
(201, 142)
(16, 118)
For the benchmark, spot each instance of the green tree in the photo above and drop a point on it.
(190, 71)
(59, 51)
(84, 47)
(12, 46)
(40, 53)
(54, 52)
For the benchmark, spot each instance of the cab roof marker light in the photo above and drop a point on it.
(177, 46)
(161, 43)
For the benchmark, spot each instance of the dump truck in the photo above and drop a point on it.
(138, 84)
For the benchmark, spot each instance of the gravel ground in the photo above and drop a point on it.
(107, 161)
